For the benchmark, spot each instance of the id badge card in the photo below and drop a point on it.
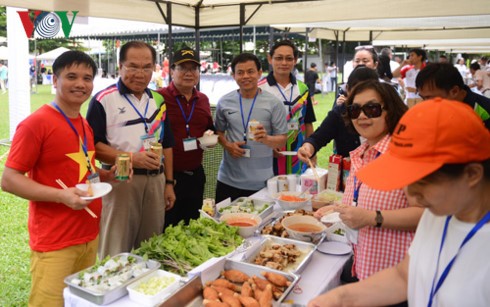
(93, 178)
(147, 140)
(293, 124)
(247, 150)
(189, 144)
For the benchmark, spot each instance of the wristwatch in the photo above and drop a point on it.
(379, 219)
(170, 181)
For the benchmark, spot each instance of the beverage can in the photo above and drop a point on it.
(209, 206)
(123, 164)
(282, 183)
(157, 148)
(252, 127)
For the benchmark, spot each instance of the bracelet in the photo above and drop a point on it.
(170, 181)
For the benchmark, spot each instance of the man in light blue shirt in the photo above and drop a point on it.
(247, 159)
(3, 77)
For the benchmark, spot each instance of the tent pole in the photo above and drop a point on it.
(170, 41)
(242, 21)
(197, 24)
(306, 50)
(337, 60)
(343, 56)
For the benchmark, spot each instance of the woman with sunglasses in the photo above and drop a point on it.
(385, 221)
(448, 173)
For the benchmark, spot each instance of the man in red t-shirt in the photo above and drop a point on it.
(56, 142)
(190, 116)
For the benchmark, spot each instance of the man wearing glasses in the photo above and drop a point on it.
(296, 99)
(127, 117)
(190, 115)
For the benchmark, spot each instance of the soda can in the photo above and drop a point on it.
(209, 206)
(252, 126)
(282, 183)
(123, 164)
(157, 148)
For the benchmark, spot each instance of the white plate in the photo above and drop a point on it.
(288, 153)
(334, 248)
(100, 189)
(331, 218)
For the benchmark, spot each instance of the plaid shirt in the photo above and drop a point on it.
(377, 248)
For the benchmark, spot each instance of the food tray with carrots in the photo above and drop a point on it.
(237, 284)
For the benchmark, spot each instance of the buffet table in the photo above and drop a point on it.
(321, 274)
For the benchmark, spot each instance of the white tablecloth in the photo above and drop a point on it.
(320, 275)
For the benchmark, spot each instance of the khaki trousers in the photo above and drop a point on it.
(132, 213)
(49, 269)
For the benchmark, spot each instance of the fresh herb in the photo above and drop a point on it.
(183, 247)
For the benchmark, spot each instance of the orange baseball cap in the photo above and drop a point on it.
(431, 134)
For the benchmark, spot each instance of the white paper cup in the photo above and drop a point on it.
(272, 186)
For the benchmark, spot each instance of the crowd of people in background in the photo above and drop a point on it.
(429, 121)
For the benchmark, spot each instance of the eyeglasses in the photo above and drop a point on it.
(370, 109)
(280, 59)
(134, 70)
(186, 69)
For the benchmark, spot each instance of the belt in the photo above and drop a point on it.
(190, 172)
(148, 172)
(140, 171)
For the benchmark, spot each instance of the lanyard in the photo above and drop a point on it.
(187, 119)
(245, 125)
(289, 102)
(358, 188)
(444, 274)
(143, 118)
(84, 143)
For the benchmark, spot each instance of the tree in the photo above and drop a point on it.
(3, 21)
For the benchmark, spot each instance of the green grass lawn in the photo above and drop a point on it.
(14, 248)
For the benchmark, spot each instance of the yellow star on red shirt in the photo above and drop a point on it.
(80, 158)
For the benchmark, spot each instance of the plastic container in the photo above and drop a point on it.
(152, 300)
(247, 223)
(293, 205)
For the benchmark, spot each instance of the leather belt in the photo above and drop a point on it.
(140, 171)
(148, 172)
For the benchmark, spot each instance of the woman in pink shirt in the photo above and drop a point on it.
(385, 221)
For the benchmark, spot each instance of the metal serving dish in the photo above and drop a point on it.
(277, 219)
(258, 203)
(190, 295)
(307, 250)
(106, 297)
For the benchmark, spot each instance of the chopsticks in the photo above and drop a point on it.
(63, 185)
(314, 170)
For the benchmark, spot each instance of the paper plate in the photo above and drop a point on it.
(334, 248)
(288, 153)
(100, 189)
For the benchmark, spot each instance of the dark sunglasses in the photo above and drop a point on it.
(370, 109)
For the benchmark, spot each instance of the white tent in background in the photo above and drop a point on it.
(53, 54)
(3, 53)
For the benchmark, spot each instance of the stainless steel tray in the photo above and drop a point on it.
(190, 295)
(306, 248)
(277, 219)
(256, 201)
(113, 294)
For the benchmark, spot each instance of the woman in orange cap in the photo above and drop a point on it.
(440, 153)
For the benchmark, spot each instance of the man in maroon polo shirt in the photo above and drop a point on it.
(190, 116)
